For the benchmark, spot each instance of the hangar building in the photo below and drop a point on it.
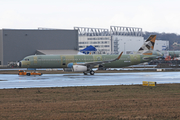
(161, 45)
(97, 37)
(15, 44)
(126, 39)
(115, 40)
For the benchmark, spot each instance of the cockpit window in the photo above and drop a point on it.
(26, 59)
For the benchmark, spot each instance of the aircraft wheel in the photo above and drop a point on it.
(92, 72)
(85, 73)
(28, 74)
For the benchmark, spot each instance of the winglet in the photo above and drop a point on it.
(119, 56)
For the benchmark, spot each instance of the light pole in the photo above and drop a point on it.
(124, 48)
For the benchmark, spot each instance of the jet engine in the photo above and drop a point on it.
(79, 68)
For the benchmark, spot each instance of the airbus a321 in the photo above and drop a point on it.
(86, 63)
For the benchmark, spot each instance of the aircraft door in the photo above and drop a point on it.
(35, 60)
(39, 61)
(97, 58)
(63, 58)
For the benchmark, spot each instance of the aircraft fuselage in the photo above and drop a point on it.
(63, 61)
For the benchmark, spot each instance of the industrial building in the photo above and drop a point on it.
(118, 39)
(126, 39)
(161, 45)
(97, 37)
(15, 44)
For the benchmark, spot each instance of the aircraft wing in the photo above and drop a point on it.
(92, 64)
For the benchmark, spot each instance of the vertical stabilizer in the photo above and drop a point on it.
(148, 46)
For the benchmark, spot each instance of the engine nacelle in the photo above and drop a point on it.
(79, 68)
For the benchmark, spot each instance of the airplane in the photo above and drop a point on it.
(173, 54)
(147, 49)
(84, 63)
(148, 46)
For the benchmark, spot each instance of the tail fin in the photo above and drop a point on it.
(148, 46)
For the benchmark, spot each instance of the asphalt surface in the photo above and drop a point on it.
(78, 79)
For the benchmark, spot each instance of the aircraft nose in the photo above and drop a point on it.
(19, 64)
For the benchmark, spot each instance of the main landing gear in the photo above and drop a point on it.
(91, 72)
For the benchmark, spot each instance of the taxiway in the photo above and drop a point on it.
(78, 79)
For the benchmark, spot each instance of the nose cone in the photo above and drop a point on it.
(19, 64)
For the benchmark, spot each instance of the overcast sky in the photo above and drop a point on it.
(150, 15)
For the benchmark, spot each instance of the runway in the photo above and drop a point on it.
(78, 79)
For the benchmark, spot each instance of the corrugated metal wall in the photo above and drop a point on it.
(1, 47)
(20, 43)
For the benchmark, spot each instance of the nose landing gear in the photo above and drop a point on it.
(85, 73)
